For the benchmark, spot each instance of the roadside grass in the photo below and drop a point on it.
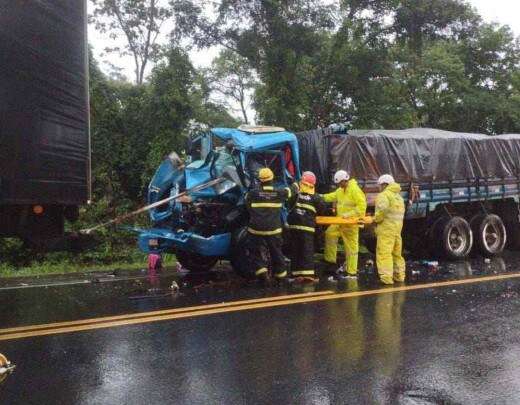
(17, 261)
(44, 268)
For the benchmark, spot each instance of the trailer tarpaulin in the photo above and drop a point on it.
(315, 146)
(423, 155)
(44, 138)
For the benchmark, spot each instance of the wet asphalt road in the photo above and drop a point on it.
(440, 345)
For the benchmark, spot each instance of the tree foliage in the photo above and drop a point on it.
(135, 127)
(376, 63)
(384, 63)
(140, 23)
(232, 79)
(273, 35)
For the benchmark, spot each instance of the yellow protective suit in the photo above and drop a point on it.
(389, 217)
(350, 202)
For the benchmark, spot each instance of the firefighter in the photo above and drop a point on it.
(350, 203)
(389, 218)
(302, 226)
(264, 204)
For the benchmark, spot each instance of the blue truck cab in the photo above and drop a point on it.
(204, 226)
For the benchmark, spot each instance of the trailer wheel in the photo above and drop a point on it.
(454, 236)
(194, 262)
(490, 234)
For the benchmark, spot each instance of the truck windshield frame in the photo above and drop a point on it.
(282, 171)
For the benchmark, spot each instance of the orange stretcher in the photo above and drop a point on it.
(344, 221)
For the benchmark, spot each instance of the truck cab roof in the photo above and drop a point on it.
(272, 138)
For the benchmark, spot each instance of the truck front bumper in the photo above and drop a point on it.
(157, 240)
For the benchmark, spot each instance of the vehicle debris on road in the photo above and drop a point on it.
(6, 368)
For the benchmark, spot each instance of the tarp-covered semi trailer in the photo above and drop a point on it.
(463, 189)
(44, 116)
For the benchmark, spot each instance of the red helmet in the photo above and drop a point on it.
(309, 178)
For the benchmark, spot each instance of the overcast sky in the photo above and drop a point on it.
(502, 11)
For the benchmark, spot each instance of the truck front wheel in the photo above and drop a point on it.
(490, 234)
(194, 262)
(454, 237)
(241, 260)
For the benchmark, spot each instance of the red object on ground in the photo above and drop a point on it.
(154, 262)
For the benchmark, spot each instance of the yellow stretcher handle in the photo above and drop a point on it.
(344, 221)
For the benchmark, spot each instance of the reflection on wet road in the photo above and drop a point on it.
(343, 343)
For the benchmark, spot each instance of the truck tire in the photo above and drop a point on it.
(454, 238)
(490, 234)
(241, 253)
(194, 262)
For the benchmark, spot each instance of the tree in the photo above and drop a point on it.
(120, 140)
(492, 65)
(135, 127)
(140, 21)
(424, 63)
(177, 103)
(232, 78)
(419, 21)
(169, 108)
(440, 84)
(376, 63)
(274, 36)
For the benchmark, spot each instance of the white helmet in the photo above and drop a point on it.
(386, 179)
(340, 176)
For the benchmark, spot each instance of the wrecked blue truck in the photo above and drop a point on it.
(463, 190)
(210, 224)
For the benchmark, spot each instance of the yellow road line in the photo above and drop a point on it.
(163, 312)
(191, 312)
